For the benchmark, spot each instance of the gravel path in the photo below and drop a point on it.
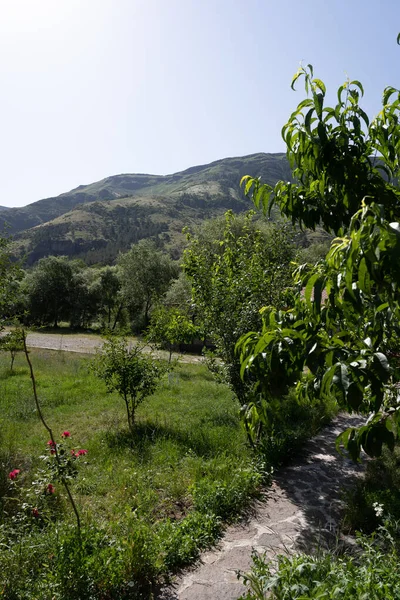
(300, 511)
(88, 344)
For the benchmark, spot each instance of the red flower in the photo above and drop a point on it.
(13, 474)
(72, 452)
(51, 489)
(65, 434)
(80, 452)
(52, 446)
(35, 512)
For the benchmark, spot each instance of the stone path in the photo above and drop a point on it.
(300, 511)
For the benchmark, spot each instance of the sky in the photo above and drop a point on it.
(92, 88)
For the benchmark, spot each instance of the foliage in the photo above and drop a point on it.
(334, 338)
(145, 276)
(111, 302)
(169, 328)
(105, 218)
(12, 342)
(136, 495)
(85, 297)
(10, 275)
(128, 371)
(49, 290)
(380, 486)
(226, 499)
(235, 267)
(149, 504)
(179, 294)
(372, 574)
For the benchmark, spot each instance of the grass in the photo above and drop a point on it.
(380, 486)
(157, 488)
(149, 503)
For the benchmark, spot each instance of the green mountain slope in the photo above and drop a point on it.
(98, 220)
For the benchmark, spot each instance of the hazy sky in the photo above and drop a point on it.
(91, 88)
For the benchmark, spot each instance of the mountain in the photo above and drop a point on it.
(97, 221)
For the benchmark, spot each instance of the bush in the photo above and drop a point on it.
(375, 573)
(381, 485)
(226, 499)
(291, 425)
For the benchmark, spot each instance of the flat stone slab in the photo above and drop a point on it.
(301, 510)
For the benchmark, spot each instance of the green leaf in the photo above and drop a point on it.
(320, 85)
(364, 281)
(358, 84)
(309, 289)
(296, 77)
(383, 361)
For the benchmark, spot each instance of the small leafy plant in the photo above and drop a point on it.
(373, 573)
(12, 342)
(128, 371)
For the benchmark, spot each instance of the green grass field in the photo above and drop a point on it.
(161, 495)
(149, 503)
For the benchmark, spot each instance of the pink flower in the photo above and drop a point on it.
(81, 452)
(51, 489)
(13, 474)
(65, 434)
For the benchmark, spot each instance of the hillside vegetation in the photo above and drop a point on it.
(96, 221)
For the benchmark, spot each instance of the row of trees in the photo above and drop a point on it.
(231, 267)
(58, 289)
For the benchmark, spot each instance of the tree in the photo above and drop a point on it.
(12, 342)
(86, 297)
(145, 276)
(111, 302)
(49, 290)
(10, 276)
(169, 327)
(236, 266)
(129, 372)
(337, 336)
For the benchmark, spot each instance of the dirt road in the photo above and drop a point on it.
(88, 344)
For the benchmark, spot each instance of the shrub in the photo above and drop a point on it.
(375, 573)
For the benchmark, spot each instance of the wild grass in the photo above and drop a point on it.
(149, 503)
(151, 487)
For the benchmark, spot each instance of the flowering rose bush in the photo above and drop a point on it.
(40, 501)
(14, 474)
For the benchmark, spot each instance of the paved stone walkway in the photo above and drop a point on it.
(300, 511)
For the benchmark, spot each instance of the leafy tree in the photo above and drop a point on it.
(85, 297)
(111, 301)
(10, 276)
(12, 342)
(235, 267)
(179, 294)
(337, 335)
(169, 328)
(49, 290)
(128, 371)
(145, 276)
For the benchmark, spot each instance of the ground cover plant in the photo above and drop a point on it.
(379, 488)
(148, 503)
(372, 573)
